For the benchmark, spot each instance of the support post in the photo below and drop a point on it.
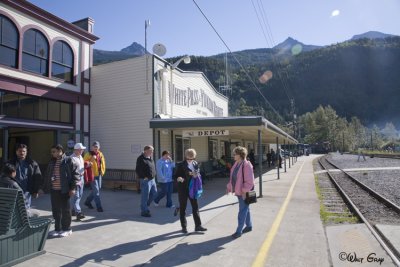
(259, 163)
(284, 156)
(278, 151)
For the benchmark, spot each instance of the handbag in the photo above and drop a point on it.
(251, 196)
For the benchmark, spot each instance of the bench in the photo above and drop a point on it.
(121, 179)
(21, 237)
(208, 169)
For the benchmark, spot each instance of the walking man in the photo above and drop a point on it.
(165, 167)
(76, 198)
(146, 171)
(28, 175)
(97, 163)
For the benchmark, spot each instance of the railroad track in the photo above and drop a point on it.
(368, 205)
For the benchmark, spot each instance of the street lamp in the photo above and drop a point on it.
(186, 60)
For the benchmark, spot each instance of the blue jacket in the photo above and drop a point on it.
(164, 170)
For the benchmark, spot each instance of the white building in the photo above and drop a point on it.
(45, 79)
(132, 107)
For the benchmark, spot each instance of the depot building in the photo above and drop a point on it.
(148, 101)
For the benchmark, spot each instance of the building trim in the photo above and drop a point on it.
(50, 19)
(35, 124)
(30, 88)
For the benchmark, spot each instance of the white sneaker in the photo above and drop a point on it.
(65, 233)
(55, 233)
(172, 207)
(156, 204)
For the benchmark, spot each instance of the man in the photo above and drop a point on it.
(28, 175)
(76, 198)
(97, 163)
(60, 181)
(146, 172)
(165, 167)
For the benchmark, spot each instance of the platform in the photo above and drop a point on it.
(287, 230)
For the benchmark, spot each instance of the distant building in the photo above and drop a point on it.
(144, 100)
(45, 79)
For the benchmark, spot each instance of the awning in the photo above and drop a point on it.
(244, 127)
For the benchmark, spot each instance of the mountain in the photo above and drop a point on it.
(371, 35)
(290, 43)
(104, 56)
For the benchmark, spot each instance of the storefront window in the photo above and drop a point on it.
(10, 104)
(212, 149)
(53, 113)
(26, 104)
(181, 144)
(66, 111)
(40, 110)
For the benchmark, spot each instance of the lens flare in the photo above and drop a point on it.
(296, 49)
(265, 77)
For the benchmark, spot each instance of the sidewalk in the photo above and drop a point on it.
(120, 237)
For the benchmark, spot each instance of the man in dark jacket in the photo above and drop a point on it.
(28, 176)
(60, 180)
(146, 171)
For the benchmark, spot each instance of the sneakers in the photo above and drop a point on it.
(89, 205)
(73, 213)
(247, 229)
(100, 209)
(236, 235)
(172, 207)
(80, 216)
(55, 233)
(156, 204)
(65, 233)
(200, 229)
(184, 231)
(146, 214)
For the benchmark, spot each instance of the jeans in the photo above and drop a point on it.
(148, 193)
(76, 199)
(28, 200)
(166, 189)
(61, 209)
(95, 193)
(243, 215)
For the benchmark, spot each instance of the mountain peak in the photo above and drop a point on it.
(134, 49)
(290, 42)
(371, 35)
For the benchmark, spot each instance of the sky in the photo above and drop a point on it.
(180, 26)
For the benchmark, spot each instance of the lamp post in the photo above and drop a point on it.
(186, 60)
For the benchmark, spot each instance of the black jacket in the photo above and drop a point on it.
(182, 170)
(35, 180)
(69, 175)
(145, 167)
(9, 182)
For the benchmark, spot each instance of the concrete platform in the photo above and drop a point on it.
(287, 230)
(392, 235)
(355, 245)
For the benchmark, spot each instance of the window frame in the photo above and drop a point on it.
(23, 52)
(62, 64)
(16, 49)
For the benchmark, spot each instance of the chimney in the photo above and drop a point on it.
(86, 24)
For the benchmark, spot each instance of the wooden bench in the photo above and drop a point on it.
(209, 170)
(21, 237)
(121, 179)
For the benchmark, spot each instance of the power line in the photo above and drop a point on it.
(237, 61)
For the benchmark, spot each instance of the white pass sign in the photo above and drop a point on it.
(200, 133)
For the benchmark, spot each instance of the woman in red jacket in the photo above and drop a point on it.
(241, 181)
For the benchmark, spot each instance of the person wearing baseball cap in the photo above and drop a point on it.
(79, 164)
(97, 162)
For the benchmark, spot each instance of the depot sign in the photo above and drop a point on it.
(201, 133)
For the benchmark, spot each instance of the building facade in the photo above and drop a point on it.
(45, 79)
(148, 101)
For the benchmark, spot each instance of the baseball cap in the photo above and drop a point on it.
(79, 146)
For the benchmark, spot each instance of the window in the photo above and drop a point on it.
(62, 62)
(53, 111)
(35, 53)
(181, 144)
(9, 40)
(212, 149)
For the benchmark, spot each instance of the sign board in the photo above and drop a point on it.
(201, 133)
(136, 149)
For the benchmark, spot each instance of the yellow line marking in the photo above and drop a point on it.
(263, 252)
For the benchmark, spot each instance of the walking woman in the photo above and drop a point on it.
(186, 171)
(241, 181)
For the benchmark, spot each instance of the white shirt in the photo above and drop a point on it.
(78, 160)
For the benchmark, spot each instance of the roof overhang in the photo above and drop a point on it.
(245, 127)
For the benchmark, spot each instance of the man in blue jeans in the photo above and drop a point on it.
(146, 171)
(165, 168)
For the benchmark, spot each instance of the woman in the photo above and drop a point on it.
(60, 182)
(185, 172)
(241, 181)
